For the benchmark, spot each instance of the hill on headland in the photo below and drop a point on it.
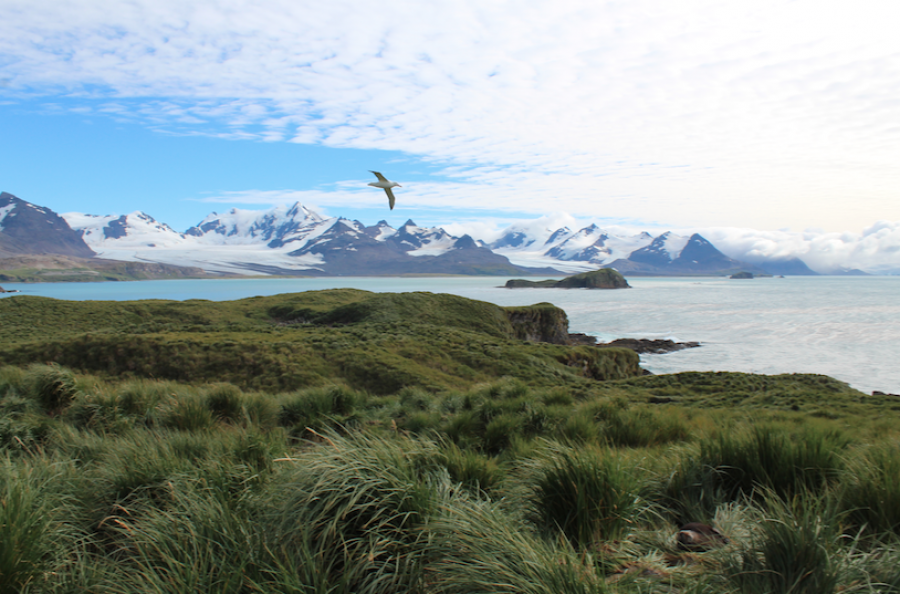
(605, 278)
(379, 342)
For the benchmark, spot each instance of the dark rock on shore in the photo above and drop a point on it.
(581, 339)
(648, 346)
(605, 278)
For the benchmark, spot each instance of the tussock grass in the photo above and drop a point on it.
(363, 500)
(475, 471)
(870, 494)
(337, 442)
(480, 547)
(769, 457)
(51, 386)
(25, 527)
(792, 552)
(591, 495)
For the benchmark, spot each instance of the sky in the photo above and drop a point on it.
(776, 115)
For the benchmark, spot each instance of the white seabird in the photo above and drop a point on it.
(386, 185)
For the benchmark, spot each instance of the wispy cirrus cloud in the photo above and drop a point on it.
(751, 113)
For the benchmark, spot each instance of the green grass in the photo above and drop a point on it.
(343, 442)
(589, 494)
(380, 343)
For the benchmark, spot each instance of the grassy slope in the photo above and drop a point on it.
(376, 342)
(546, 482)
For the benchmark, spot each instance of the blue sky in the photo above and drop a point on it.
(765, 114)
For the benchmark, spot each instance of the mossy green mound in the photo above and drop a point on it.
(379, 342)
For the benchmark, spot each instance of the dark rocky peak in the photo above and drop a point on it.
(790, 266)
(380, 230)
(342, 225)
(698, 248)
(654, 254)
(411, 236)
(465, 243)
(512, 239)
(659, 243)
(202, 228)
(116, 229)
(297, 209)
(601, 241)
(29, 229)
(558, 234)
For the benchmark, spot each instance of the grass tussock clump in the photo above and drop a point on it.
(364, 501)
(735, 465)
(51, 386)
(26, 527)
(793, 550)
(478, 546)
(870, 495)
(317, 408)
(590, 495)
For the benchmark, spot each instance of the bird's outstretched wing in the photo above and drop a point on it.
(378, 175)
(390, 197)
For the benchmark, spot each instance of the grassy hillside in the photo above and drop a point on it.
(345, 441)
(375, 342)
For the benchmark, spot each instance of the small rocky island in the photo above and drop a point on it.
(605, 278)
(649, 346)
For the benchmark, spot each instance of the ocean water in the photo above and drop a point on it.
(845, 327)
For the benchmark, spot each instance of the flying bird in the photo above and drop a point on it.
(386, 185)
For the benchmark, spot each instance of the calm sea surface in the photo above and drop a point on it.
(845, 327)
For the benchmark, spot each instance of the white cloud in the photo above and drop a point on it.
(757, 113)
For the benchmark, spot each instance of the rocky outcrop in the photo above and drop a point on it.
(543, 322)
(605, 278)
(648, 346)
(742, 275)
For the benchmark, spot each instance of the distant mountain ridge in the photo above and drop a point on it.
(293, 240)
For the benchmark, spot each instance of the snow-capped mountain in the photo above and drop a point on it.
(28, 228)
(129, 230)
(275, 227)
(295, 240)
(574, 251)
(289, 240)
(674, 254)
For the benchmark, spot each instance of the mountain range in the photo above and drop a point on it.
(293, 240)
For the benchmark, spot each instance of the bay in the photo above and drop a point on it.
(845, 327)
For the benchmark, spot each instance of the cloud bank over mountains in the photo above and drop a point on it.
(875, 250)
